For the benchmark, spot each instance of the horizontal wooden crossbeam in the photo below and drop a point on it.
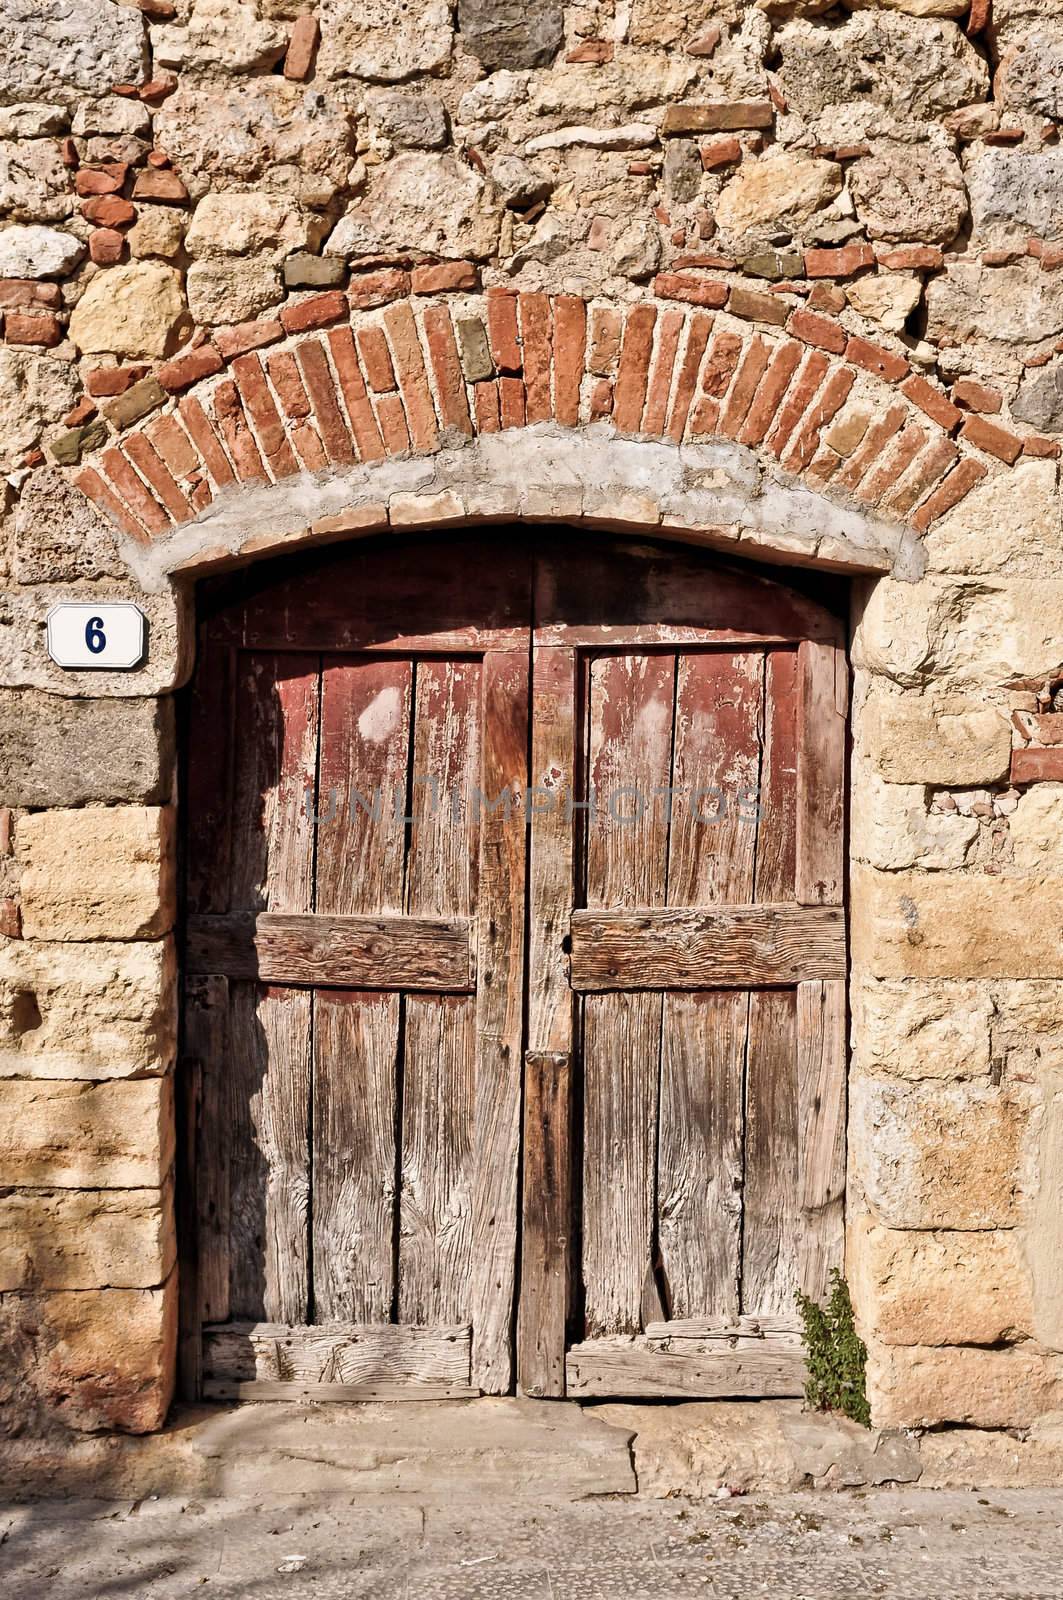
(746, 946)
(347, 952)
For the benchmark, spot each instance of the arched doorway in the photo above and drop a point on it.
(515, 957)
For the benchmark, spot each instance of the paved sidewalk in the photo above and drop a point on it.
(899, 1543)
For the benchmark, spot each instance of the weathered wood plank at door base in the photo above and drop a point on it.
(347, 1393)
(337, 1353)
(351, 952)
(649, 1368)
(756, 1332)
(746, 946)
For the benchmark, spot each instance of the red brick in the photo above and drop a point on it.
(241, 337)
(959, 482)
(909, 443)
(172, 443)
(145, 509)
(1052, 258)
(695, 291)
(770, 392)
(705, 42)
(485, 406)
(376, 359)
(811, 328)
(106, 246)
(873, 358)
(992, 438)
(157, 88)
(686, 383)
(36, 328)
(925, 257)
(200, 493)
(1005, 136)
(826, 405)
(593, 50)
(284, 376)
(1037, 765)
(936, 405)
(601, 404)
(84, 409)
(607, 328)
(352, 386)
(239, 440)
(317, 376)
(308, 447)
(975, 396)
(109, 211)
(722, 360)
(101, 180)
(302, 42)
(705, 416)
(536, 339)
(720, 154)
(104, 381)
(718, 116)
(10, 918)
(511, 402)
(841, 262)
(392, 420)
(660, 380)
(369, 289)
(143, 455)
(1035, 444)
(629, 396)
(934, 462)
(747, 380)
(825, 297)
(446, 368)
(101, 494)
(68, 152)
(317, 311)
(756, 305)
(502, 330)
(160, 185)
(261, 408)
(796, 402)
(26, 292)
(413, 384)
(181, 373)
(570, 346)
(875, 440)
(445, 275)
(978, 16)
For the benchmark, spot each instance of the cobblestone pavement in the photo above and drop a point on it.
(904, 1544)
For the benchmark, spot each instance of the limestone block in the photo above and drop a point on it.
(86, 1135)
(97, 873)
(242, 133)
(220, 34)
(1028, 1024)
(887, 298)
(34, 390)
(410, 120)
(939, 1155)
(56, 752)
(34, 184)
(36, 252)
(133, 310)
(917, 1387)
(86, 1239)
(1036, 829)
(916, 72)
(493, 98)
(1009, 525)
(635, 78)
(87, 1010)
(1039, 400)
(59, 49)
(941, 1288)
(917, 739)
(954, 925)
(912, 1028)
(959, 1458)
(383, 40)
(112, 114)
(892, 826)
(232, 290)
(906, 191)
(60, 535)
(1015, 193)
(783, 188)
(422, 202)
(661, 23)
(158, 231)
(1030, 74)
(1012, 305)
(32, 120)
(507, 33)
(92, 1359)
(241, 224)
(24, 662)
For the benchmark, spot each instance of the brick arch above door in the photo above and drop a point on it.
(700, 414)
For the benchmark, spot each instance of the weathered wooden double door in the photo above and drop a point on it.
(514, 953)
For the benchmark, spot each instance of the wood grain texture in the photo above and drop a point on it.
(206, 1025)
(352, 952)
(209, 776)
(777, 824)
(547, 1228)
(821, 1085)
(697, 949)
(336, 1351)
(822, 701)
(650, 1369)
(444, 838)
(771, 1228)
(337, 1393)
(785, 1331)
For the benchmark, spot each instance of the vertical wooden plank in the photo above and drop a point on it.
(822, 689)
(772, 1215)
(208, 796)
(269, 1152)
(365, 750)
(499, 1016)
(206, 1036)
(777, 800)
(821, 1131)
(547, 1209)
(716, 774)
(189, 1337)
(438, 1086)
(631, 704)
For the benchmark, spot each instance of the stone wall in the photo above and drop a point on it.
(783, 278)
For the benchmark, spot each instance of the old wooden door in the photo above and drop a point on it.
(685, 1068)
(364, 1034)
(355, 928)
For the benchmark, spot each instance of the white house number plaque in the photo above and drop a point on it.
(95, 636)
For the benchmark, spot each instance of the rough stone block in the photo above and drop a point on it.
(56, 752)
(90, 1011)
(919, 1387)
(86, 1239)
(93, 1359)
(940, 1155)
(98, 873)
(893, 827)
(918, 740)
(941, 1288)
(86, 1135)
(505, 33)
(911, 1028)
